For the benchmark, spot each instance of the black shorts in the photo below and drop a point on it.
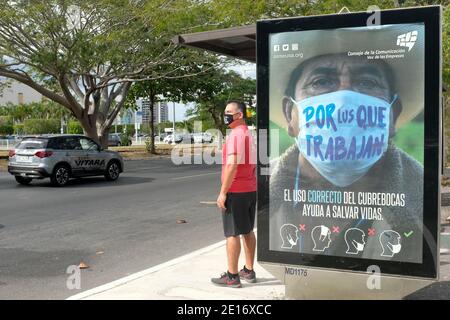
(239, 217)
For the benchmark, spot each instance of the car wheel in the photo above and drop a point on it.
(60, 176)
(112, 171)
(22, 180)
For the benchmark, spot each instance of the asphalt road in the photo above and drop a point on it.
(117, 228)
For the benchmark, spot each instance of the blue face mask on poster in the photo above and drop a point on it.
(353, 130)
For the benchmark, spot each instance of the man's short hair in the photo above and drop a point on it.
(240, 105)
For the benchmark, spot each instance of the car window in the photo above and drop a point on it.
(88, 144)
(31, 144)
(56, 143)
(72, 143)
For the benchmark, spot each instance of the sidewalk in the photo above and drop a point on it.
(187, 277)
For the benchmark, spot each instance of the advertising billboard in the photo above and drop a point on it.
(353, 114)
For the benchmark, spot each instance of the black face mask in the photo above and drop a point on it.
(228, 118)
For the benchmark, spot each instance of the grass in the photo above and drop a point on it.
(410, 138)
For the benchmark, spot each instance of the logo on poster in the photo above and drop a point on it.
(407, 39)
(286, 47)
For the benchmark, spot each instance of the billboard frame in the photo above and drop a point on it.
(431, 17)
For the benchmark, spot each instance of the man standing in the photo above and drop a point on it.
(237, 197)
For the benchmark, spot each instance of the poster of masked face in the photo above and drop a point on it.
(347, 107)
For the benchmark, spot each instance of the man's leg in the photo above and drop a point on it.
(233, 251)
(249, 248)
(233, 247)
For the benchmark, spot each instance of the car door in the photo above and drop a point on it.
(96, 159)
(76, 155)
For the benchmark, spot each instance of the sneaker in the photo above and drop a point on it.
(248, 275)
(226, 281)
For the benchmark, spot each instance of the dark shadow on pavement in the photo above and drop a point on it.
(22, 263)
(88, 182)
(435, 291)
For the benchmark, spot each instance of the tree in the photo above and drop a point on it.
(231, 14)
(174, 89)
(4, 83)
(212, 90)
(41, 110)
(148, 90)
(84, 55)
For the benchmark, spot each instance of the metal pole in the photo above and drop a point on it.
(173, 128)
(136, 130)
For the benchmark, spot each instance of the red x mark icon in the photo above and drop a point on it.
(371, 231)
(302, 227)
(335, 229)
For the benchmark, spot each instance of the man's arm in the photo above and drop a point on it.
(228, 177)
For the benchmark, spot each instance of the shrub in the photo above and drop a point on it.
(125, 139)
(18, 129)
(74, 127)
(6, 125)
(42, 126)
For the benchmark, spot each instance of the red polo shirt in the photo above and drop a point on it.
(240, 143)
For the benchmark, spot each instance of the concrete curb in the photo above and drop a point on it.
(146, 272)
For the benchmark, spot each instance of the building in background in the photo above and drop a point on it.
(160, 111)
(142, 114)
(163, 108)
(19, 93)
